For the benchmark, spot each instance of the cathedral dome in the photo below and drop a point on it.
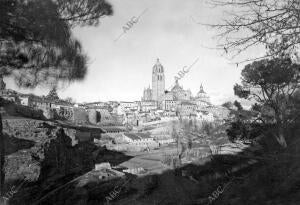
(158, 68)
(202, 95)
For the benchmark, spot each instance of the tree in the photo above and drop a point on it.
(228, 105)
(271, 23)
(70, 100)
(53, 94)
(207, 128)
(272, 84)
(36, 39)
(244, 125)
(37, 46)
(2, 84)
(238, 105)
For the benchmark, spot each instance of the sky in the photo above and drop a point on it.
(167, 29)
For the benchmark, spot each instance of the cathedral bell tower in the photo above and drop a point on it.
(158, 82)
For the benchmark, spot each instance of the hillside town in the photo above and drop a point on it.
(158, 107)
(99, 107)
(152, 127)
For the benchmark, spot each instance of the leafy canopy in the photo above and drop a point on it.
(36, 42)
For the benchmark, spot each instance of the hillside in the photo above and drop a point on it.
(46, 154)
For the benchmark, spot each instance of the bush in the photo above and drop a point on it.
(151, 184)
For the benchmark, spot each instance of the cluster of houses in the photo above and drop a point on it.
(133, 113)
(139, 113)
(133, 141)
(114, 120)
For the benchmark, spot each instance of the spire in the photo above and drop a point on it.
(201, 88)
(158, 62)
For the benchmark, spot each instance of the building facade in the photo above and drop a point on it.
(147, 95)
(146, 106)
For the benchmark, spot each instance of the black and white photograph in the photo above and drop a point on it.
(149, 102)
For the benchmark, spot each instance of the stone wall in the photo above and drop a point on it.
(23, 111)
(79, 115)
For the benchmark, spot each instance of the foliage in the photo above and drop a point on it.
(273, 181)
(70, 100)
(151, 185)
(240, 130)
(36, 41)
(166, 159)
(272, 84)
(238, 105)
(83, 12)
(228, 105)
(207, 128)
(53, 94)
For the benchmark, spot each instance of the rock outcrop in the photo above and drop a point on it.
(44, 156)
(43, 153)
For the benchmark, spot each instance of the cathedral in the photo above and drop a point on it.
(174, 96)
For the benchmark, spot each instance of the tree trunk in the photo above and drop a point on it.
(2, 158)
(280, 129)
(280, 136)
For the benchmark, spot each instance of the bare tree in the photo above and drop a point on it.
(274, 24)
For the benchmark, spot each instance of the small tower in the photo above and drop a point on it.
(201, 89)
(147, 95)
(158, 81)
(202, 95)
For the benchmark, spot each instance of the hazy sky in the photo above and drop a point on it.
(119, 70)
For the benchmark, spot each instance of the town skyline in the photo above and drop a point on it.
(120, 70)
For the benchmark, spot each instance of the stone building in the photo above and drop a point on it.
(169, 105)
(186, 108)
(146, 106)
(147, 95)
(140, 139)
(101, 116)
